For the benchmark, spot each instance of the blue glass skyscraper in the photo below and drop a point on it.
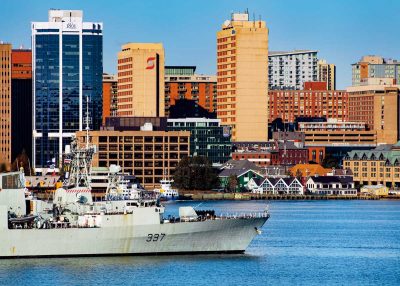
(67, 63)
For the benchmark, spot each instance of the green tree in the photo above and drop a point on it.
(195, 173)
(330, 162)
(182, 174)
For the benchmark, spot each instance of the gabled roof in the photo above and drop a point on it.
(273, 181)
(309, 169)
(240, 164)
(236, 172)
(282, 179)
(381, 152)
(238, 168)
(290, 181)
(332, 179)
(258, 181)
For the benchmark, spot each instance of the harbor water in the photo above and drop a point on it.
(303, 243)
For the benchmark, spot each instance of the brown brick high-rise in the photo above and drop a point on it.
(5, 103)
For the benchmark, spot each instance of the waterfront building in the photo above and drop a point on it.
(110, 90)
(313, 101)
(374, 190)
(276, 186)
(331, 185)
(148, 155)
(307, 170)
(327, 73)
(378, 166)
(207, 138)
(242, 76)
(141, 80)
(67, 57)
(181, 82)
(378, 106)
(375, 70)
(242, 170)
(21, 103)
(5, 102)
(290, 70)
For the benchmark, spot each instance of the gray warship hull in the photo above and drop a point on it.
(118, 236)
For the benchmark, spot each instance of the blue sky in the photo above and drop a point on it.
(342, 30)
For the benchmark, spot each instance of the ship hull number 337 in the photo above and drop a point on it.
(154, 237)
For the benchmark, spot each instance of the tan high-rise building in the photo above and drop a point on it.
(141, 80)
(327, 73)
(5, 103)
(242, 77)
(378, 106)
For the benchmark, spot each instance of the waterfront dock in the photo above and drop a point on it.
(206, 195)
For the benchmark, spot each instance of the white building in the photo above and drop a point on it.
(331, 185)
(289, 70)
(276, 186)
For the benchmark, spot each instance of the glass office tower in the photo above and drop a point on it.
(67, 59)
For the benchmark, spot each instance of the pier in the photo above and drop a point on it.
(199, 195)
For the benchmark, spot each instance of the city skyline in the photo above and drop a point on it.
(341, 32)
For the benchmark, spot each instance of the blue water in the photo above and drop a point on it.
(303, 243)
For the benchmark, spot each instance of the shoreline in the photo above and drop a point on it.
(210, 196)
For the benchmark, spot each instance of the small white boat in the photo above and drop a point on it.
(119, 188)
(166, 191)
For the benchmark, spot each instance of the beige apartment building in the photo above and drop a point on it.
(378, 166)
(377, 106)
(5, 103)
(141, 80)
(242, 77)
(149, 155)
(327, 73)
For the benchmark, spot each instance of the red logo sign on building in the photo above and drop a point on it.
(150, 63)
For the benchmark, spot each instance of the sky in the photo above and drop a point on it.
(341, 30)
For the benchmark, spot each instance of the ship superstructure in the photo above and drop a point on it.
(74, 225)
(126, 221)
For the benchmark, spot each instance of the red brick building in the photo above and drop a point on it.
(314, 101)
(21, 102)
(181, 82)
(270, 153)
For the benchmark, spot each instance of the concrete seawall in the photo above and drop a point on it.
(199, 195)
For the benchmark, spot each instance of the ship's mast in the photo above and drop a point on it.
(81, 159)
(87, 122)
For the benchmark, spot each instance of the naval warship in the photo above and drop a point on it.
(127, 221)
